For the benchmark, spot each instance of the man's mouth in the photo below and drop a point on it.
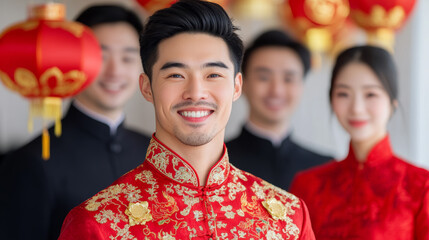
(274, 103)
(195, 115)
(112, 87)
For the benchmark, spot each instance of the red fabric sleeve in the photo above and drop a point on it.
(79, 225)
(306, 229)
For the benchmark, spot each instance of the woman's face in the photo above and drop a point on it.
(361, 103)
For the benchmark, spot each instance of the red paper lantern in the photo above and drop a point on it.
(46, 59)
(152, 6)
(381, 18)
(316, 20)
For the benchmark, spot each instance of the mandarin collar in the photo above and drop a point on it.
(174, 167)
(258, 141)
(380, 153)
(96, 128)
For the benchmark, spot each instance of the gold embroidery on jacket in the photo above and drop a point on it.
(112, 193)
(231, 210)
(163, 159)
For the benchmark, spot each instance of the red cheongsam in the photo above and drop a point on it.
(382, 198)
(162, 199)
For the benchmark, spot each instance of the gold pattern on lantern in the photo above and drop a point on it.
(25, 26)
(379, 17)
(74, 28)
(326, 12)
(8, 82)
(26, 82)
(27, 85)
(138, 213)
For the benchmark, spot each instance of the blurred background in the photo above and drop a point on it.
(314, 125)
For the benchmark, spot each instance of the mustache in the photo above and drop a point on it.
(194, 104)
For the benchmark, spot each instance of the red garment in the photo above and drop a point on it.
(162, 199)
(383, 198)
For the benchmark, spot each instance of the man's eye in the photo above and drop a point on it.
(175, 76)
(214, 75)
(128, 60)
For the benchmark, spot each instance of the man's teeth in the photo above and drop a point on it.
(195, 114)
(112, 87)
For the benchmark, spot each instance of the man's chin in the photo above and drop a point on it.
(194, 139)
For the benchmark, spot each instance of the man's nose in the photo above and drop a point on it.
(195, 89)
(113, 66)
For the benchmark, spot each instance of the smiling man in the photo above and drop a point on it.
(186, 188)
(274, 68)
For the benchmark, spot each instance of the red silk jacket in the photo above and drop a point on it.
(383, 198)
(162, 199)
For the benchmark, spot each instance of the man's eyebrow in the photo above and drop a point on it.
(215, 64)
(262, 69)
(125, 49)
(173, 65)
(131, 49)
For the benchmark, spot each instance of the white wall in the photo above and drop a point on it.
(314, 125)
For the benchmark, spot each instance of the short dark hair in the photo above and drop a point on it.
(377, 59)
(188, 16)
(101, 14)
(277, 38)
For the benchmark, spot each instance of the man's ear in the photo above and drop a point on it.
(145, 87)
(238, 83)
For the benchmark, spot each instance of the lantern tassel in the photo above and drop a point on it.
(45, 145)
(58, 127)
(49, 108)
(319, 41)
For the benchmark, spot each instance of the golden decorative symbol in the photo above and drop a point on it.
(138, 213)
(71, 27)
(380, 17)
(276, 208)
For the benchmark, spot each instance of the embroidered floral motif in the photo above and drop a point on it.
(138, 213)
(198, 215)
(271, 235)
(219, 173)
(235, 188)
(164, 209)
(183, 174)
(275, 208)
(168, 237)
(112, 193)
(170, 164)
(147, 177)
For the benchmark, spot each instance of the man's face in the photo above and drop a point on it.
(273, 85)
(120, 70)
(193, 87)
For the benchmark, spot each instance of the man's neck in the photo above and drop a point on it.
(276, 133)
(202, 158)
(112, 123)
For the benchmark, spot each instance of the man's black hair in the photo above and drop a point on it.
(101, 14)
(277, 38)
(188, 16)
